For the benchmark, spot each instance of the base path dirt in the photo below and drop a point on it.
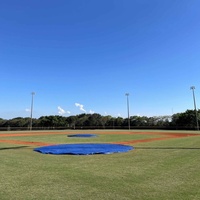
(25, 143)
(168, 136)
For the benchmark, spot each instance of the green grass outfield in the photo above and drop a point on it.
(166, 169)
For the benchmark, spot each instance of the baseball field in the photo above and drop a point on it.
(163, 165)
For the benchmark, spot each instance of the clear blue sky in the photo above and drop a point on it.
(84, 55)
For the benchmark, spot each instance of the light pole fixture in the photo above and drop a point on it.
(32, 93)
(197, 123)
(127, 94)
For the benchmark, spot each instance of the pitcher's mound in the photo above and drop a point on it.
(84, 149)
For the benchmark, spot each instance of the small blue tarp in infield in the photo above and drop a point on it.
(82, 135)
(84, 149)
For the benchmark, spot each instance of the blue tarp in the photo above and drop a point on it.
(84, 149)
(82, 135)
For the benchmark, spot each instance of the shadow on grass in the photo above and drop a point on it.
(9, 148)
(168, 148)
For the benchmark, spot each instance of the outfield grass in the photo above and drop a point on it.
(166, 170)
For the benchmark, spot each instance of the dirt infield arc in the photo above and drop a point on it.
(167, 136)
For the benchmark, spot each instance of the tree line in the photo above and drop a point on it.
(185, 120)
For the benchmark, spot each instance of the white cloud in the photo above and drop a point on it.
(61, 111)
(91, 112)
(80, 107)
(27, 110)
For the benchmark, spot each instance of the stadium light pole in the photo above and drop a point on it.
(127, 94)
(193, 88)
(33, 93)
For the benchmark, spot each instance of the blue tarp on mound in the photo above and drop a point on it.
(82, 135)
(84, 149)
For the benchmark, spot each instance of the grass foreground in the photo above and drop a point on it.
(167, 169)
